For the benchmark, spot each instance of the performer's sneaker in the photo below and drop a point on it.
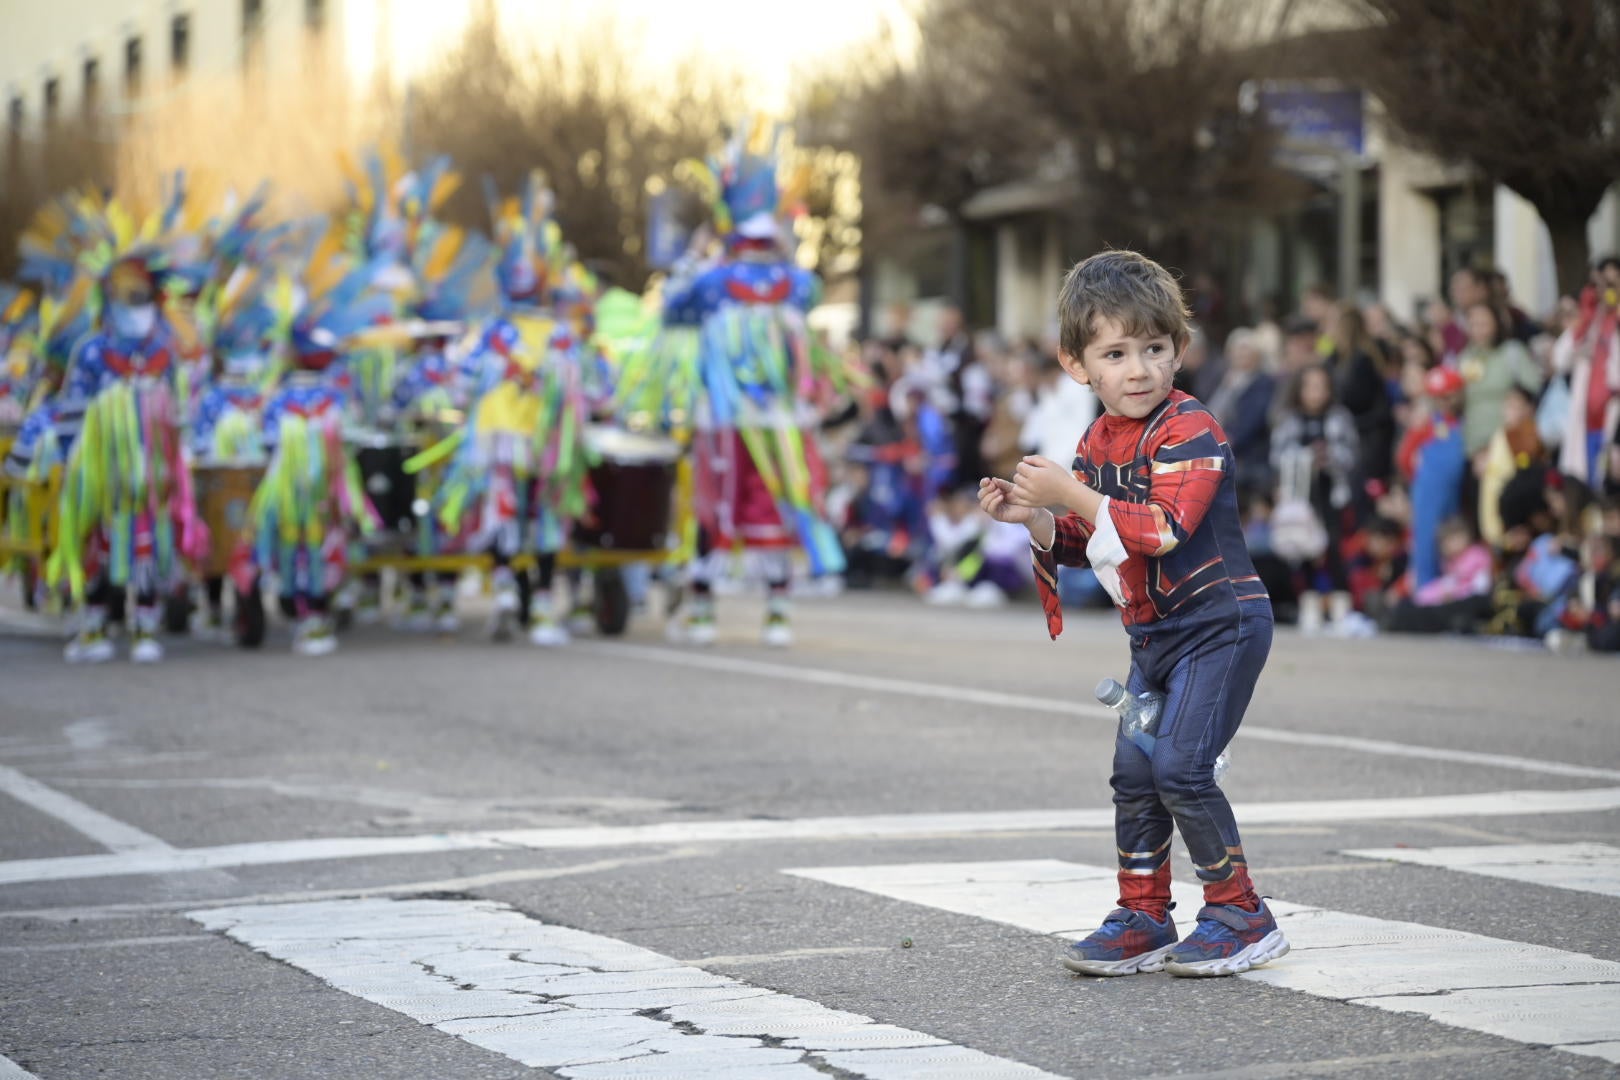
(145, 649)
(313, 637)
(1227, 941)
(580, 620)
(778, 632)
(418, 617)
(700, 629)
(548, 633)
(89, 647)
(446, 621)
(1127, 942)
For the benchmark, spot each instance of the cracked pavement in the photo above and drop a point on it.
(687, 948)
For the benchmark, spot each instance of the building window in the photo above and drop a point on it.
(315, 15)
(252, 31)
(53, 97)
(180, 44)
(132, 67)
(91, 96)
(16, 113)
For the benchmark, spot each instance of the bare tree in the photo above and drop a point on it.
(583, 113)
(67, 153)
(1525, 90)
(929, 124)
(1144, 97)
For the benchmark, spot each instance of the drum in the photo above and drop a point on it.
(633, 480)
(389, 487)
(224, 494)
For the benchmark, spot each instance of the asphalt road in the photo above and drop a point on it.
(197, 858)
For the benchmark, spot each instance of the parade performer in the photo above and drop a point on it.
(1153, 509)
(127, 515)
(392, 225)
(446, 263)
(246, 323)
(737, 372)
(311, 500)
(517, 479)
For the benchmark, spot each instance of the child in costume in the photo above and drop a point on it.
(127, 515)
(311, 500)
(738, 371)
(1152, 507)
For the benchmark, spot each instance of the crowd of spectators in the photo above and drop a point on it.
(1456, 473)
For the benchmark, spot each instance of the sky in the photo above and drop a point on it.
(767, 40)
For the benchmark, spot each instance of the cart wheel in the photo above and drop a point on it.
(250, 618)
(610, 601)
(177, 607)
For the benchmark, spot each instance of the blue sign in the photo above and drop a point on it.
(1313, 119)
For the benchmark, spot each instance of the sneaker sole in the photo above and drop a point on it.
(1267, 949)
(1147, 962)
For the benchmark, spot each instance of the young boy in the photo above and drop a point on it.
(1152, 505)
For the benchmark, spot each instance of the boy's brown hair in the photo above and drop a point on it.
(1127, 287)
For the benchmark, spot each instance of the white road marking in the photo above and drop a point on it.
(873, 827)
(10, 1070)
(109, 832)
(584, 1005)
(412, 888)
(1593, 868)
(108, 943)
(1527, 993)
(1025, 703)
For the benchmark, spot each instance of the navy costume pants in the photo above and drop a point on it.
(1206, 663)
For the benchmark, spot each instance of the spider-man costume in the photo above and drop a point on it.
(1200, 624)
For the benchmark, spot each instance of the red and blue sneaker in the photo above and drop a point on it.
(1227, 941)
(1127, 942)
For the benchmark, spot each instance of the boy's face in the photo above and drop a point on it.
(1131, 375)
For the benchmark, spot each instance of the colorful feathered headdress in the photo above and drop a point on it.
(448, 265)
(394, 207)
(741, 183)
(247, 316)
(527, 238)
(338, 301)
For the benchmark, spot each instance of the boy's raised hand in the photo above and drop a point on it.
(993, 499)
(1040, 481)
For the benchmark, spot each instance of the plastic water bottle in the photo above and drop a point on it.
(1139, 718)
(1138, 713)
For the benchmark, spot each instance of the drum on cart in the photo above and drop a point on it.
(224, 496)
(634, 481)
(224, 500)
(390, 488)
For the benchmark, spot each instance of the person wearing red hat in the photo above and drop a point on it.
(1435, 461)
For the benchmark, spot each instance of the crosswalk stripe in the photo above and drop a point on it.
(10, 1070)
(583, 1005)
(1527, 993)
(1585, 867)
(874, 826)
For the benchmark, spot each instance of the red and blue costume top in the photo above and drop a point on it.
(1171, 504)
